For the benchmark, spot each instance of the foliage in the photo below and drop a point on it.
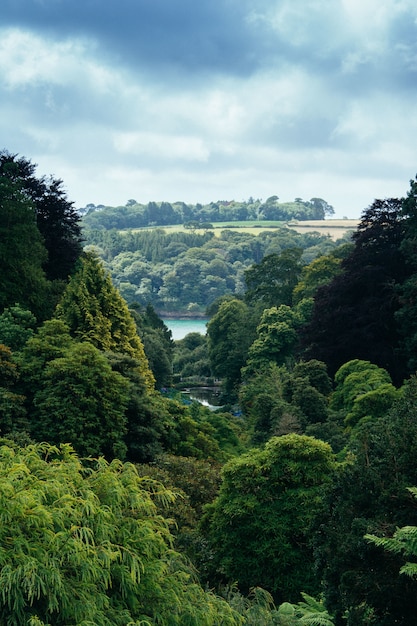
(191, 357)
(95, 312)
(362, 390)
(56, 219)
(228, 344)
(354, 315)
(157, 342)
(403, 542)
(272, 281)
(82, 401)
(317, 273)
(259, 525)
(12, 410)
(172, 270)
(369, 496)
(136, 215)
(22, 251)
(16, 326)
(276, 338)
(87, 546)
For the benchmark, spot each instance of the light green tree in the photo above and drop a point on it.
(276, 337)
(319, 272)
(260, 524)
(84, 545)
(95, 312)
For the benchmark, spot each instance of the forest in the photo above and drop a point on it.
(136, 215)
(123, 502)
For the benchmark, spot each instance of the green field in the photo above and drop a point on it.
(335, 228)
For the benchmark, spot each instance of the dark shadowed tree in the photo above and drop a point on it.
(56, 218)
(354, 315)
(22, 251)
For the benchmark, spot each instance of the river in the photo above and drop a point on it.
(182, 327)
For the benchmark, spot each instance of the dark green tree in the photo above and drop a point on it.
(12, 409)
(56, 218)
(16, 326)
(354, 315)
(369, 495)
(22, 250)
(272, 281)
(229, 337)
(83, 402)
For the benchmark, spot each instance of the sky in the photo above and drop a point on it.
(206, 100)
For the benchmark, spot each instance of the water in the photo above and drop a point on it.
(208, 396)
(182, 327)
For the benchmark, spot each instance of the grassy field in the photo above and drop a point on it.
(335, 228)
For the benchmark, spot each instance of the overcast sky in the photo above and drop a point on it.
(204, 100)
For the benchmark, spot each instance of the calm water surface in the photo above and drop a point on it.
(182, 327)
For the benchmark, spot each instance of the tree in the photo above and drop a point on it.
(56, 219)
(276, 338)
(16, 326)
(272, 281)
(95, 312)
(317, 273)
(369, 495)
(22, 251)
(83, 402)
(362, 390)
(86, 545)
(354, 315)
(12, 410)
(259, 526)
(405, 316)
(229, 337)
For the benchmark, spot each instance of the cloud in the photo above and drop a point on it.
(158, 99)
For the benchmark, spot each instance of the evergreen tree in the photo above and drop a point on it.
(95, 312)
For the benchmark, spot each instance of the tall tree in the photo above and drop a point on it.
(229, 335)
(22, 251)
(56, 218)
(354, 315)
(95, 312)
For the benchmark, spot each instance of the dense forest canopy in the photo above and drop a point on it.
(187, 271)
(123, 501)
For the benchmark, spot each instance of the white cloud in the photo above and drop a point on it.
(324, 105)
